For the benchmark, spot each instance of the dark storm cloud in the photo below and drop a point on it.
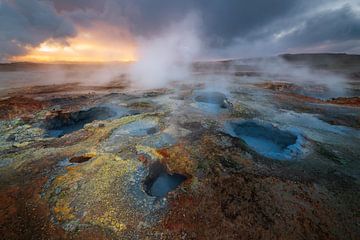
(238, 18)
(70, 5)
(222, 20)
(29, 22)
(334, 25)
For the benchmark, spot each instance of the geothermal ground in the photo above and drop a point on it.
(238, 151)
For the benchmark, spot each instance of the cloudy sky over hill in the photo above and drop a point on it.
(110, 28)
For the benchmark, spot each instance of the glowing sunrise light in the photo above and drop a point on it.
(87, 46)
(46, 48)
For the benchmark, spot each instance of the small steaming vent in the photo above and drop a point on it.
(159, 182)
(212, 102)
(266, 139)
(215, 98)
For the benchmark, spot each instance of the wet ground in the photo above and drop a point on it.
(251, 157)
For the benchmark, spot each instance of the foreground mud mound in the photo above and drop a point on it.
(254, 207)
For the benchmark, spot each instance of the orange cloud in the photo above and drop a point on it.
(100, 43)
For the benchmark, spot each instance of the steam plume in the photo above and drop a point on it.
(167, 56)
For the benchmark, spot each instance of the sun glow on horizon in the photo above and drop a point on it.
(87, 46)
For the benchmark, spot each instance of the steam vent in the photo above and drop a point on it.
(171, 120)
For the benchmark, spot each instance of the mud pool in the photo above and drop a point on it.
(65, 123)
(266, 139)
(159, 182)
(165, 183)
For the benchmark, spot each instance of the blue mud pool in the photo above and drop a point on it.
(266, 139)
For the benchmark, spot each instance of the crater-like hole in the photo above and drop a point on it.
(68, 122)
(159, 182)
(80, 159)
(265, 138)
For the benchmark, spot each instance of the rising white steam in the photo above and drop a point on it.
(167, 56)
(303, 75)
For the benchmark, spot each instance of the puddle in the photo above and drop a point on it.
(266, 139)
(159, 182)
(65, 123)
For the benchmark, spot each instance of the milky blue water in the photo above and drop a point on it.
(210, 108)
(266, 139)
(165, 183)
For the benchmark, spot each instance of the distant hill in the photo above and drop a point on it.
(315, 60)
(23, 66)
(323, 60)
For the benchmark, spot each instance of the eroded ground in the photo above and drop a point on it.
(257, 158)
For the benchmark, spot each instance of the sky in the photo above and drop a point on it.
(109, 30)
